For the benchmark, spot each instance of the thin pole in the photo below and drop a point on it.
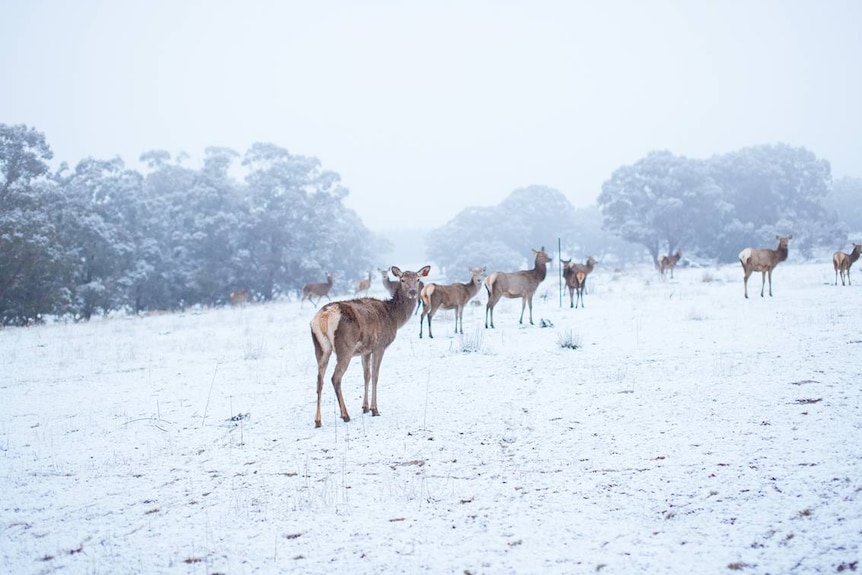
(560, 272)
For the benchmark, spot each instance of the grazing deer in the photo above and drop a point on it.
(666, 263)
(763, 260)
(364, 327)
(388, 284)
(320, 290)
(576, 279)
(453, 296)
(239, 297)
(520, 284)
(362, 286)
(842, 262)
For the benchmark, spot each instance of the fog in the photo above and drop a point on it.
(425, 109)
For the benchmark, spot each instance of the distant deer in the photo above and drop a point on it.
(239, 297)
(320, 290)
(388, 284)
(576, 279)
(763, 260)
(666, 263)
(842, 262)
(364, 327)
(520, 284)
(362, 286)
(453, 296)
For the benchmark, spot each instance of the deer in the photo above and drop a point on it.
(453, 296)
(239, 297)
(389, 285)
(576, 279)
(520, 284)
(362, 286)
(364, 327)
(763, 260)
(842, 262)
(668, 262)
(319, 289)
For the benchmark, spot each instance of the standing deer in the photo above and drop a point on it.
(320, 290)
(453, 296)
(842, 262)
(763, 260)
(362, 286)
(576, 279)
(388, 284)
(239, 297)
(666, 263)
(364, 327)
(520, 284)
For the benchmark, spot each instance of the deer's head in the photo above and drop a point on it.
(410, 280)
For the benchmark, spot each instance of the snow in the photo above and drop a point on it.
(691, 431)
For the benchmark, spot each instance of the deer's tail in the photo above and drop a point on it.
(489, 283)
(426, 293)
(323, 326)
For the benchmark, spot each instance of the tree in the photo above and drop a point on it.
(773, 190)
(663, 202)
(844, 203)
(502, 236)
(98, 224)
(297, 228)
(29, 258)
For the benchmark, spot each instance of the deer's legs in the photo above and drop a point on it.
(524, 303)
(366, 377)
(340, 367)
(422, 321)
(489, 309)
(376, 360)
(768, 273)
(322, 362)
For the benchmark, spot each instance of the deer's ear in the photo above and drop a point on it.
(424, 271)
(790, 237)
(396, 271)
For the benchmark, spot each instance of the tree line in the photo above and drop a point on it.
(102, 237)
(710, 209)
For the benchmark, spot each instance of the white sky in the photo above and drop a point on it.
(425, 108)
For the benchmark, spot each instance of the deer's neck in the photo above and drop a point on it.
(540, 270)
(400, 307)
(781, 254)
(854, 255)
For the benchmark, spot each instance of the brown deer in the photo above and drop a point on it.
(520, 284)
(576, 279)
(667, 263)
(362, 286)
(364, 327)
(453, 296)
(320, 290)
(388, 284)
(239, 297)
(763, 260)
(842, 262)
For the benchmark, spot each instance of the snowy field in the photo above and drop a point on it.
(689, 431)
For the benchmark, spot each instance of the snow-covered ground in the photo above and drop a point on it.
(690, 431)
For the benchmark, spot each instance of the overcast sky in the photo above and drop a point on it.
(425, 108)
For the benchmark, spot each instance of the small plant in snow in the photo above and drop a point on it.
(707, 278)
(696, 315)
(252, 349)
(471, 342)
(568, 339)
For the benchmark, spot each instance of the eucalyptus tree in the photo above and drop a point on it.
(29, 256)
